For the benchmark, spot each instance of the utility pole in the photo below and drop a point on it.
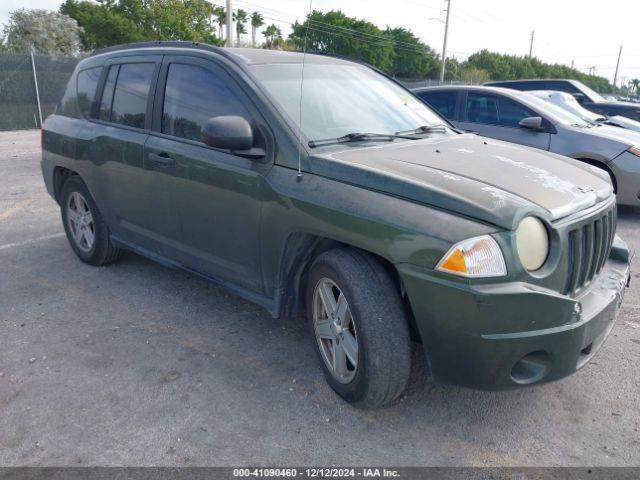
(229, 24)
(533, 34)
(444, 46)
(615, 77)
(35, 81)
(573, 62)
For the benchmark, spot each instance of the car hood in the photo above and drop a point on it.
(485, 179)
(624, 136)
(623, 122)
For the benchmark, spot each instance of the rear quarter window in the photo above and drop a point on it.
(87, 84)
(79, 96)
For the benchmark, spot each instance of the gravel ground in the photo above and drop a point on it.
(136, 364)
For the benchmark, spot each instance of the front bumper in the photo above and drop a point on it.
(498, 336)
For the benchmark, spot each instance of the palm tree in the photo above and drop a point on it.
(240, 17)
(220, 15)
(636, 85)
(256, 22)
(273, 35)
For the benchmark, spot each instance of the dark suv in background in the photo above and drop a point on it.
(590, 99)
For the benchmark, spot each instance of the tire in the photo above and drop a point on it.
(374, 318)
(86, 231)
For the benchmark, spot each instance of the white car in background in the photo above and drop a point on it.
(567, 102)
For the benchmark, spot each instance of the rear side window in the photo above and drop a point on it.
(129, 106)
(192, 96)
(107, 93)
(87, 84)
(443, 102)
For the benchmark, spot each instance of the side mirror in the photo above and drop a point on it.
(531, 123)
(230, 132)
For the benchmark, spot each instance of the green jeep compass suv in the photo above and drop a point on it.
(345, 198)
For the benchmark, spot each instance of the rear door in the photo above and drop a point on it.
(218, 195)
(495, 116)
(136, 211)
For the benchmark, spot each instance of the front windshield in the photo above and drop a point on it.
(557, 114)
(592, 94)
(342, 98)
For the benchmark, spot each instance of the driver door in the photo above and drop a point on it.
(495, 116)
(218, 195)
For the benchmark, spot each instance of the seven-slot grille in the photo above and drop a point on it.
(589, 247)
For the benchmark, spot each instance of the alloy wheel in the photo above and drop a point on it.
(80, 222)
(335, 330)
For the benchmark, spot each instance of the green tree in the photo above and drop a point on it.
(474, 75)
(256, 22)
(49, 33)
(102, 24)
(240, 17)
(335, 32)
(514, 67)
(121, 21)
(179, 20)
(220, 15)
(412, 59)
(272, 35)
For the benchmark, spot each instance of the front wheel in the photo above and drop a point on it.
(86, 231)
(360, 327)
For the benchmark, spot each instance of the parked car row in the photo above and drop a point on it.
(525, 119)
(355, 204)
(589, 98)
(569, 103)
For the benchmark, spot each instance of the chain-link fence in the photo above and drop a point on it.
(18, 98)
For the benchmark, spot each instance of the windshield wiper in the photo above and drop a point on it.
(425, 129)
(359, 137)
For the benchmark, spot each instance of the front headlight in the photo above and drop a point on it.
(532, 243)
(474, 258)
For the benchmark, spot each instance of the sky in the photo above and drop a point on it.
(587, 33)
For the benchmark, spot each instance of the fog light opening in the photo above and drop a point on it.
(586, 350)
(531, 368)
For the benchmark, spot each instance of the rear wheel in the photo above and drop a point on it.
(86, 231)
(360, 327)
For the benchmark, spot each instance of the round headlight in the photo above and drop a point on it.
(532, 242)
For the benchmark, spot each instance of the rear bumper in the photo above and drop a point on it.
(501, 336)
(47, 174)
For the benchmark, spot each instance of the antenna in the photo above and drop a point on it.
(304, 55)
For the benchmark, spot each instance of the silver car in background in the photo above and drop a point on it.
(521, 118)
(567, 102)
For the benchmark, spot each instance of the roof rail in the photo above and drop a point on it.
(158, 43)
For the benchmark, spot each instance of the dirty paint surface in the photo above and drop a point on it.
(135, 364)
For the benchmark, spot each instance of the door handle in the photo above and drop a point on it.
(162, 159)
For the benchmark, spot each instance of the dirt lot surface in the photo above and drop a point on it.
(136, 364)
